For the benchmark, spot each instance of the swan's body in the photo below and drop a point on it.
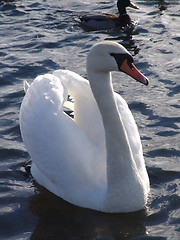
(105, 21)
(96, 160)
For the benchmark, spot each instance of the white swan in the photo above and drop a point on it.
(96, 160)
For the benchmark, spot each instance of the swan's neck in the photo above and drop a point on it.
(119, 155)
(121, 166)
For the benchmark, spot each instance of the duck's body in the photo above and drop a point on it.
(96, 160)
(106, 21)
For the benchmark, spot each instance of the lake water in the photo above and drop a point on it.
(41, 36)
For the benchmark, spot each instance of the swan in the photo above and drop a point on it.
(95, 160)
(105, 21)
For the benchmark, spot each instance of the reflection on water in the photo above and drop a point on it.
(58, 218)
(38, 37)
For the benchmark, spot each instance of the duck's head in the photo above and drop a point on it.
(108, 56)
(122, 4)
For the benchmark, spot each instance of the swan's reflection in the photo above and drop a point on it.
(61, 220)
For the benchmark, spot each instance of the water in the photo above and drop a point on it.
(40, 36)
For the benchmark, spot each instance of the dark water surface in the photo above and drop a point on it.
(41, 36)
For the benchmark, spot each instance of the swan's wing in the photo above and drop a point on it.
(130, 126)
(64, 160)
(86, 111)
(133, 136)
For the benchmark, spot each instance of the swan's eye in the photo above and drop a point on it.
(120, 57)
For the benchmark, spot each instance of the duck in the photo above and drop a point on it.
(106, 21)
(94, 159)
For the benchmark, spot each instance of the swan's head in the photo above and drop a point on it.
(110, 56)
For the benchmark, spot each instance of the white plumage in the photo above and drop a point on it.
(87, 161)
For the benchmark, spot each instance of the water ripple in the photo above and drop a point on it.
(40, 36)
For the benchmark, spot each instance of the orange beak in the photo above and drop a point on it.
(133, 72)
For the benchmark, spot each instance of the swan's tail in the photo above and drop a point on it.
(26, 86)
